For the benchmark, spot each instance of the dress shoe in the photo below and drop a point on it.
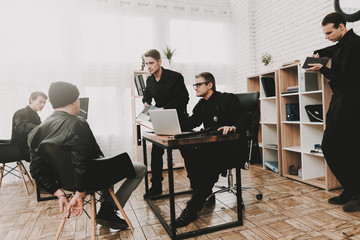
(210, 202)
(107, 216)
(156, 189)
(340, 199)
(186, 217)
(353, 205)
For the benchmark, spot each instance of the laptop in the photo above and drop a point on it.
(84, 106)
(165, 122)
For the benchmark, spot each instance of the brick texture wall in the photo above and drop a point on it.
(286, 29)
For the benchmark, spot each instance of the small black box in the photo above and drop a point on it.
(292, 112)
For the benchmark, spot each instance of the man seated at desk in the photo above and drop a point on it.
(218, 111)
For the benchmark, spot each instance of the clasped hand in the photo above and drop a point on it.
(73, 208)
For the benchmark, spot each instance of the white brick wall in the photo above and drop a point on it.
(286, 29)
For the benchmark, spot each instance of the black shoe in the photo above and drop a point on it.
(107, 217)
(186, 217)
(353, 205)
(156, 189)
(340, 200)
(210, 202)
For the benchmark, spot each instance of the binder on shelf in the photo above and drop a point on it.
(292, 112)
(274, 166)
(269, 86)
(311, 81)
(139, 84)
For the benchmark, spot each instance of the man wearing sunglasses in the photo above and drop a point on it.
(217, 111)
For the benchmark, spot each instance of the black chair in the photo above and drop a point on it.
(10, 153)
(64, 173)
(249, 101)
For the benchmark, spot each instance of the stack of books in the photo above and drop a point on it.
(291, 89)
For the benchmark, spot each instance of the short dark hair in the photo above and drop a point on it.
(35, 94)
(208, 78)
(153, 53)
(335, 18)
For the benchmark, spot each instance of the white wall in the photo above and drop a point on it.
(286, 29)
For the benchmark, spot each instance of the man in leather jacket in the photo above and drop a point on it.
(341, 137)
(65, 129)
(25, 120)
(217, 111)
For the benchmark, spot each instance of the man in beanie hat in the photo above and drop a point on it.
(65, 129)
(25, 120)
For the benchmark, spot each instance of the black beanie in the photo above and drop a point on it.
(62, 94)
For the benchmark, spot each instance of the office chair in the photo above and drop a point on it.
(10, 153)
(249, 101)
(64, 173)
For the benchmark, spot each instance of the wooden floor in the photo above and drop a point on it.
(289, 210)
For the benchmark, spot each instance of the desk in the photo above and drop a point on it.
(170, 143)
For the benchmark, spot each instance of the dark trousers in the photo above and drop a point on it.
(156, 164)
(204, 165)
(341, 142)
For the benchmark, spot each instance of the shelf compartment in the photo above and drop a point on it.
(271, 160)
(309, 99)
(313, 167)
(310, 135)
(287, 100)
(253, 84)
(311, 82)
(289, 76)
(290, 135)
(269, 134)
(290, 158)
(269, 110)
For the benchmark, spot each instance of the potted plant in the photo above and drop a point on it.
(266, 58)
(169, 53)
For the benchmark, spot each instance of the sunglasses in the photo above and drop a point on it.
(197, 85)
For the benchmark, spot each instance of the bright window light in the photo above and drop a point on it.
(111, 38)
(198, 41)
(30, 34)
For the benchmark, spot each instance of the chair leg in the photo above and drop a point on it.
(2, 173)
(27, 174)
(121, 209)
(22, 177)
(61, 226)
(93, 216)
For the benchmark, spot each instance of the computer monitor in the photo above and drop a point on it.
(84, 106)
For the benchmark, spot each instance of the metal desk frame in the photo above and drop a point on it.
(169, 145)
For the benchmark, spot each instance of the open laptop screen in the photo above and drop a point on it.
(165, 121)
(84, 106)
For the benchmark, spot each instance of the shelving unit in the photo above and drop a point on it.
(299, 137)
(269, 129)
(136, 106)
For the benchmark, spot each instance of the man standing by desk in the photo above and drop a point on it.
(222, 112)
(168, 90)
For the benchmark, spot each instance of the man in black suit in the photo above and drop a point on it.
(168, 90)
(341, 137)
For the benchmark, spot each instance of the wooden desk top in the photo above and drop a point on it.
(170, 141)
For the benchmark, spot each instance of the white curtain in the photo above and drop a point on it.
(95, 44)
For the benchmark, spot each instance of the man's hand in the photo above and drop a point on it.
(314, 67)
(227, 129)
(146, 104)
(63, 203)
(75, 207)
